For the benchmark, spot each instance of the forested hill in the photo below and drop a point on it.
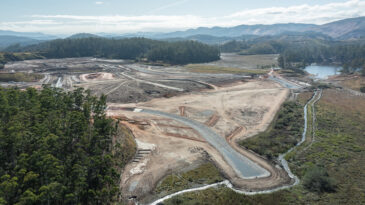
(58, 148)
(349, 55)
(183, 52)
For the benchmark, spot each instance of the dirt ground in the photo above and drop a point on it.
(235, 106)
(235, 112)
(122, 81)
(246, 61)
(354, 82)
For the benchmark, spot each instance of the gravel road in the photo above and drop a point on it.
(244, 167)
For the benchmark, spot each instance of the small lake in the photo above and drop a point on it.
(322, 72)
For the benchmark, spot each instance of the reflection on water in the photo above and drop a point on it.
(322, 72)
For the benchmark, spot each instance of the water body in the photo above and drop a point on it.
(322, 72)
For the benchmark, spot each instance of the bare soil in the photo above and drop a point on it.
(234, 105)
(242, 110)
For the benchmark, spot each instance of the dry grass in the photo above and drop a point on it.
(20, 77)
(202, 68)
(338, 148)
(354, 82)
(246, 61)
(304, 97)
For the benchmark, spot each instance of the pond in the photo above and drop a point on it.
(322, 72)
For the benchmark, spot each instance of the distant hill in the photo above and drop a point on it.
(203, 38)
(6, 41)
(241, 30)
(346, 29)
(83, 35)
(33, 35)
(352, 28)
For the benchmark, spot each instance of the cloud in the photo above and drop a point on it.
(99, 2)
(304, 13)
(168, 6)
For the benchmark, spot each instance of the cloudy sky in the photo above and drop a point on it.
(126, 16)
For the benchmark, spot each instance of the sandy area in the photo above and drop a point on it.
(235, 112)
(89, 77)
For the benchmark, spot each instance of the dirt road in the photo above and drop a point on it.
(251, 105)
(244, 167)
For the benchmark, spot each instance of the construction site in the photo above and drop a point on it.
(178, 118)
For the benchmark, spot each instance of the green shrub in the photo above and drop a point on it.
(362, 89)
(316, 179)
(284, 133)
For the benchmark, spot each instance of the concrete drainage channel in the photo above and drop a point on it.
(316, 97)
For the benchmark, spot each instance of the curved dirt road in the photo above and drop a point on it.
(243, 166)
(315, 98)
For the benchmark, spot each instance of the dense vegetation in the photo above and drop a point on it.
(7, 57)
(362, 89)
(134, 48)
(298, 50)
(206, 173)
(348, 55)
(316, 179)
(283, 134)
(58, 148)
(20, 77)
(331, 168)
(274, 44)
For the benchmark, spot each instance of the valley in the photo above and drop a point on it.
(224, 112)
(179, 118)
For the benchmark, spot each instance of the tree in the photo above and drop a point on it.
(345, 69)
(57, 148)
(134, 48)
(316, 179)
(362, 89)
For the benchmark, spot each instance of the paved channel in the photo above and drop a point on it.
(284, 82)
(243, 166)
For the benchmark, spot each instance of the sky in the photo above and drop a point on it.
(130, 16)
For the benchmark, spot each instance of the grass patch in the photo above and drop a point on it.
(282, 135)
(201, 68)
(362, 89)
(338, 150)
(20, 77)
(206, 173)
(7, 57)
(291, 73)
(125, 141)
(354, 83)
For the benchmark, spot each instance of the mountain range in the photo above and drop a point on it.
(346, 29)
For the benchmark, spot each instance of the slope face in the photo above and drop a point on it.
(344, 29)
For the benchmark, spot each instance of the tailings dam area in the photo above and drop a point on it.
(179, 118)
(183, 130)
(122, 80)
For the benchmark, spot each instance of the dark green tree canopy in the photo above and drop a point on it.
(56, 148)
(182, 52)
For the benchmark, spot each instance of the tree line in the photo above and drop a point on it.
(299, 50)
(9, 56)
(182, 52)
(57, 148)
(350, 56)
